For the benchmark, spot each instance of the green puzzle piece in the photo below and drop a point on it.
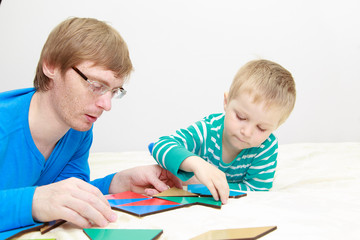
(122, 234)
(208, 201)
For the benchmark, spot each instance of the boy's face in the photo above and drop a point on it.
(73, 103)
(247, 124)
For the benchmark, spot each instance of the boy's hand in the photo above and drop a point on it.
(209, 175)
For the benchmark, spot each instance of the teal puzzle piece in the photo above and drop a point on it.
(122, 234)
(202, 190)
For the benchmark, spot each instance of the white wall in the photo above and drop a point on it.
(186, 53)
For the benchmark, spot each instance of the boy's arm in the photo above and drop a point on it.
(181, 154)
(171, 151)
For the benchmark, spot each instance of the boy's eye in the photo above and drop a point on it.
(261, 129)
(240, 117)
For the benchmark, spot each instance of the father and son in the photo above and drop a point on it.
(46, 133)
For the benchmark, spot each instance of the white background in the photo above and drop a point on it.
(186, 53)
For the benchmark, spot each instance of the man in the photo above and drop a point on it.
(46, 132)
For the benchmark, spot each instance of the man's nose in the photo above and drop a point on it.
(104, 101)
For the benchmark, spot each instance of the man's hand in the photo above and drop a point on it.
(72, 200)
(209, 175)
(149, 179)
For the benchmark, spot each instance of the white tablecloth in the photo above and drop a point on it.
(316, 195)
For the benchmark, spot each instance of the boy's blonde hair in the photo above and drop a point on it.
(267, 82)
(76, 40)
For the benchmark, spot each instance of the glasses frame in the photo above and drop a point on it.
(121, 91)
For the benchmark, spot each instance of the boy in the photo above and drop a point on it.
(237, 146)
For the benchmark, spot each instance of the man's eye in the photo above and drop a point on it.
(97, 86)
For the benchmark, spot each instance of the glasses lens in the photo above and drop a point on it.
(119, 93)
(97, 87)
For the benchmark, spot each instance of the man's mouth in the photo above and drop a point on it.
(90, 118)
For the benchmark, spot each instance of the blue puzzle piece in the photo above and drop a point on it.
(146, 209)
(202, 190)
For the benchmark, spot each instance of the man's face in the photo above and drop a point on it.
(247, 124)
(74, 104)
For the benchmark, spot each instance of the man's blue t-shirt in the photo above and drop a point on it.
(23, 167)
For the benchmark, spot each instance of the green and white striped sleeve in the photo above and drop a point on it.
(171, 151)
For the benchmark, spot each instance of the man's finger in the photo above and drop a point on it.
(87, 211)
(96, 205)
(94, 190)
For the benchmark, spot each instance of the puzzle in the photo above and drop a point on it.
(140, 205)
(119, 234)
(237, 233)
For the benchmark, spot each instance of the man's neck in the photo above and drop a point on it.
(45, 126)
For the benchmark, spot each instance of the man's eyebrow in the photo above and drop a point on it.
(105, 82)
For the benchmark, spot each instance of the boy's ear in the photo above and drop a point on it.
(226, 98)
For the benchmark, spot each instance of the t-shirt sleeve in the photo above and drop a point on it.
(16, 208)
(171, 151)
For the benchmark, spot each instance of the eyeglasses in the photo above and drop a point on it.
(100, 88)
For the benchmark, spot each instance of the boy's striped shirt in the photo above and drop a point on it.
(253, 169)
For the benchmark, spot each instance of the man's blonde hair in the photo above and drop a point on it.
(76, 40)
(268, 82)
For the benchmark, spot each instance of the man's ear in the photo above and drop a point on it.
(226, 99)
(48, 70)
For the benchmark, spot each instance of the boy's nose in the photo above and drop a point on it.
(246, 131)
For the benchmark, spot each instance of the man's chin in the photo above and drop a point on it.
(83, 128)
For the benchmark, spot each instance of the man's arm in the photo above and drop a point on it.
(15, 208)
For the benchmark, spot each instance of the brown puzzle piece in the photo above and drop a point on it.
(176, 192)
(51, 225)
(236, 233)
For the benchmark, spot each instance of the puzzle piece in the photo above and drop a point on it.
(122, 234)
(126, 195)
(202, 190)
(237, 233)
(205, 201)
(176, 192)
(51, 225)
